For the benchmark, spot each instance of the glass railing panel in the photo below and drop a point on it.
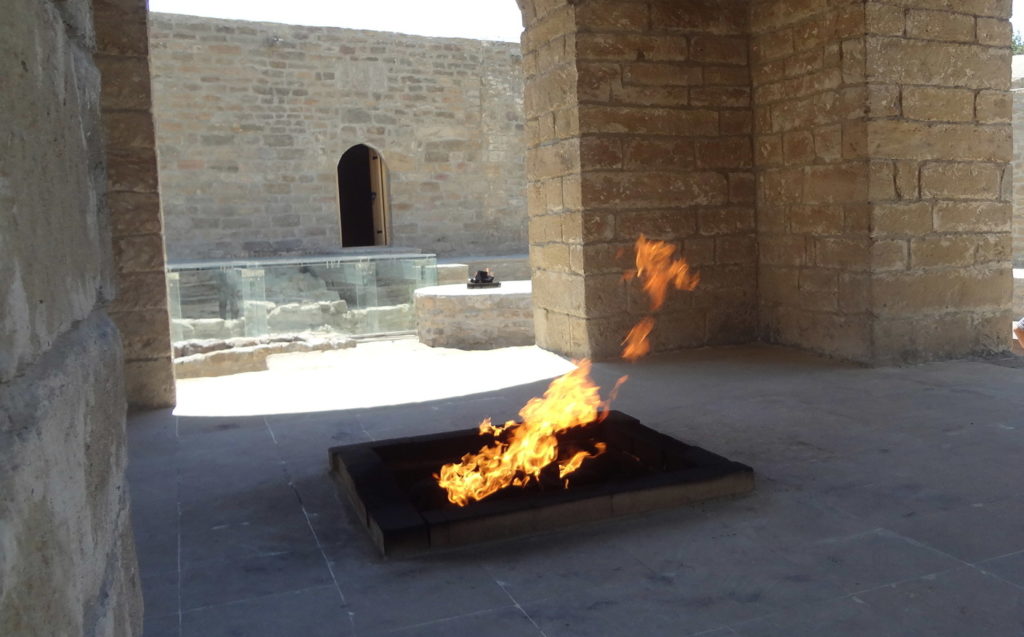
(317, 296)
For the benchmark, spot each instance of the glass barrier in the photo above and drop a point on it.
(326, 295)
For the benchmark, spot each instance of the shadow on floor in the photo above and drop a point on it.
(888, 503)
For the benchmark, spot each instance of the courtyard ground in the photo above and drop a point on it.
(888, 503)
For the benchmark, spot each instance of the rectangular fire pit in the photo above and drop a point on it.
(391, 487)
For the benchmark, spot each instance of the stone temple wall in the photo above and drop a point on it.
(67, 558)
(252, 118)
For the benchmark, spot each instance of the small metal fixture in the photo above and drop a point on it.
(483, 279)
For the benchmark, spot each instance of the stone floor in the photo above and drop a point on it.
(889, 503)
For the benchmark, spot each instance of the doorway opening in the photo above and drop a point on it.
(362, 197)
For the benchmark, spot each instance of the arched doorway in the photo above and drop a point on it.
(362, 198)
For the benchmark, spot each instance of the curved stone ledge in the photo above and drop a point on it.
(486, 318)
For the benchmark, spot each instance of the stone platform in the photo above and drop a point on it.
(458, 317)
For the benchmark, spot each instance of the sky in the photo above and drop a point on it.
(477, 19)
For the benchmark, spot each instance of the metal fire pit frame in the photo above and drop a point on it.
(397, 527)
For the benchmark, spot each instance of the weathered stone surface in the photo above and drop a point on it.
(485, 318)
(67, 562)
(239, 355)
(68, 565)
(51, 220)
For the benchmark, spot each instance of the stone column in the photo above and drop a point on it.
(639, 121)
(140, 307)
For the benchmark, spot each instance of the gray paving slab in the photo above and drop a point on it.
(508, 622)
(887, 504)
(220, 582)
(1009, 567)
(161, 626)
(956, 603)
(313, 612)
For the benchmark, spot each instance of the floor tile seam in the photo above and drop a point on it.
(267, 596)
(787, 611)
(932, 575)
(434, 622)
(178, 548)
(925, 545)
(309, 523)
(517, 605)
(997, 576)
(998, 557)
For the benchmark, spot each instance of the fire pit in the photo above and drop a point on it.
(392, 486)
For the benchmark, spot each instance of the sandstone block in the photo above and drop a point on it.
(906, 179)
(846, 253)
(653, 189)
(994, 107)
(917, 140)
(960, 180)
(720, 96)
(626, 47)
(663, 225)
(940, 25)
(141, 253)
(913, 218)
(668, 153)
(726, 221)
(798, 147)
(942, 250)
(817, 219)
(742, 188)
(132, 169)
(784, 250)
(835, 183)
(608, 15)
(940, 104)
(150, 383)
(884, 19)
(126, 84)
(994, 249)
(701, 16)
(724, 152)
(737, 249)
(662, 74)
(647, 121)
(906, 61)
(972, 216)
(994, 32)
(719, 49)
(133, 213)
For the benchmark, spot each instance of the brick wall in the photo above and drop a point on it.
(252, 118)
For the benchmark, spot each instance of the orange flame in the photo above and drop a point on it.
(657, 269)
(573, 463)
(522, 450)
(636, 344)
(572, 400)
